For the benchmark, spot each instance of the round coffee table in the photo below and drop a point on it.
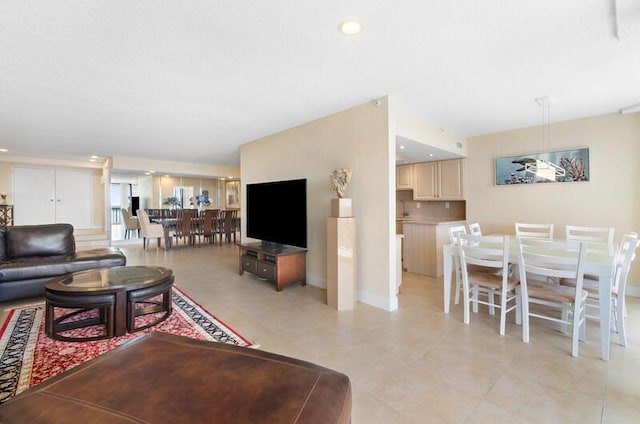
(120, 294)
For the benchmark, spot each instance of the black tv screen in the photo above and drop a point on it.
(277, 212)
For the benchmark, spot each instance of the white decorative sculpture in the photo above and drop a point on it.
(339, 180)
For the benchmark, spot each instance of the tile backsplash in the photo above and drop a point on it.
(428, 210)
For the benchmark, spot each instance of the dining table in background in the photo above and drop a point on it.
(599, 262)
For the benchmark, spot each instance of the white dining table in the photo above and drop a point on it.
(599, 263)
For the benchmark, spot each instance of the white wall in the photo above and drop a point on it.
(610, 198)
(358, 138)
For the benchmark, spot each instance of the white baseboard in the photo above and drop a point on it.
(369, 299)
(377, 301)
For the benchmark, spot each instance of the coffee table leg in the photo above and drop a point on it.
(121, 313)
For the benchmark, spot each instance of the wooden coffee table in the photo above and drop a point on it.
(119, 294)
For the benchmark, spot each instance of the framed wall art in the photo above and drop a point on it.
(549, 167)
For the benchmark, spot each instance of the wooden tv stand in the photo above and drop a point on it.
(282, 264)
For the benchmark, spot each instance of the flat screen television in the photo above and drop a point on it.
(277, 212)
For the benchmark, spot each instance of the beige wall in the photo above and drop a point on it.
(610, 198)
(416, 129)
(358, 138)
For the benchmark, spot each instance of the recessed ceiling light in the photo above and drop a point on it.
(147, 173)
(430, 155)
(152, 172)
(401, 147)
(222, 178)
(94, 157)
(4, 150)
(167, 175)
(350, 27)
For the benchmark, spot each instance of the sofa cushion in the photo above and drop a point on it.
(39, 240)
(53, 266)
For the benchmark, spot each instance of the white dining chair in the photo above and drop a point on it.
(474, 229)
(454, 230)
(490, 252)
(624, 256)
(594, 235)
(542, 231)
(545, 261)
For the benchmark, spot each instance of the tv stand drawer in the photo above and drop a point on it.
(267, 269)
(249, 263)
(279, 264)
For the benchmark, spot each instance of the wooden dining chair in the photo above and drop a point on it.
(226, 225)
(542, 231)
(186, 226)
(207, 230)
(541, 263)
(488, 252)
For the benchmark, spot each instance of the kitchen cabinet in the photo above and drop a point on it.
(404, 177)
(442, 180)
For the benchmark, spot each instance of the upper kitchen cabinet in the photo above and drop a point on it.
(404, 177)
(443, 180)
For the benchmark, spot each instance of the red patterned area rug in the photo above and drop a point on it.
(28, 356)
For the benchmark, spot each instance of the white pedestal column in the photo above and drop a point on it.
(341, 263)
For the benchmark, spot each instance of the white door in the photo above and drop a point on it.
(46, 196)
(34, 196)
(74, 197)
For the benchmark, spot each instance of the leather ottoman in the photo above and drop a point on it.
(163, 378)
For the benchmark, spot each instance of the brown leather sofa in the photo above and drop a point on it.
(30, 255)
(164, 378)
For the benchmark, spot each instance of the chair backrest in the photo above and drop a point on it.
(454, 231)
(542, 231)
(551, 259)
(209, 218)
(130, 223)
(474, 228)
(594, 235)
(143, 219)
(484, 251)
(227, 219)
(187, 222)
(624, 256)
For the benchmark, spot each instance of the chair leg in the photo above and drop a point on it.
(458, 278)
(465, 300)
(575, 337)
(475, 297)
(503, 312)
(518, 307)
(524, 304)
(492, 309)
(620, 315)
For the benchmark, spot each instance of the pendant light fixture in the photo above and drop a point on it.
(541, 168)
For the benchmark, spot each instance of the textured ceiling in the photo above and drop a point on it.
(192, 80)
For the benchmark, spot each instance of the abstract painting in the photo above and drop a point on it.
(549, 167)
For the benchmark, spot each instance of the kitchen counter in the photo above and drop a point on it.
(422, 221)
(423, 243)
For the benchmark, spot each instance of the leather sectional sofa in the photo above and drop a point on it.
(30, 255)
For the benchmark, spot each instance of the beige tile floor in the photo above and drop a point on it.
(416, 364)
